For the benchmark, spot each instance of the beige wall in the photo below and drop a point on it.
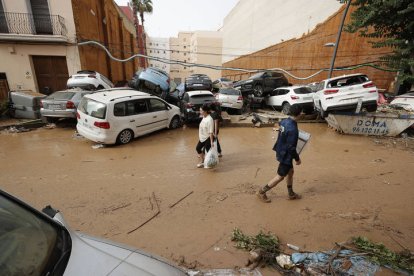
(206, 48)
(180, 48)
(18, 64)
(16, 59)
(159, 47)
(254, 25)
(201, 47)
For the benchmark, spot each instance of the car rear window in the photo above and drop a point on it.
(348, 81)
(302, 90)
(229, 92)
(199, 99)
(60, 96)
(92, 108)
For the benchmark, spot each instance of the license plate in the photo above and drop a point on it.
(307, 98)
(54, 106)
(87, 125)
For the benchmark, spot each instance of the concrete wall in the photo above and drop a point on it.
(253, 25)
(307, 55)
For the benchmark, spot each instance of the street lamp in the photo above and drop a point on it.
(338, 38)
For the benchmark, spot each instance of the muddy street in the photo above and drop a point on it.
(351, 186)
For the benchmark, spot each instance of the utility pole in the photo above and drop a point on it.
(338, 38)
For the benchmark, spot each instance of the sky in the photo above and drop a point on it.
(172, 16)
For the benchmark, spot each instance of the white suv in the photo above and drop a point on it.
(344, 93)
(119, 115)
(283, 97)
(89, 80)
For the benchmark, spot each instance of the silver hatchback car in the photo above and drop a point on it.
(40, 243)
(62, 104)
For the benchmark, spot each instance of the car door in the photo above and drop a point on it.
(159, 114)
(280, 97)
(133, 114)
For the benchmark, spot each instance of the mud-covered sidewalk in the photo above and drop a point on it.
(351, 186)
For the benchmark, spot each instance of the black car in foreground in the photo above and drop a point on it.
(198, 82)
(262, 83)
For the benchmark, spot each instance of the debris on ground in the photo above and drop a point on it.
(50, 126)
(225, 272)
(98, 146)
(76, 135)
(13, 129)
(358, 257)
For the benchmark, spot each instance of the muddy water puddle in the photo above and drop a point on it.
(106, 191)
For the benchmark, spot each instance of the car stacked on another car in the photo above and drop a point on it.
(222, 83)
(156, 82)
(344, 93)
(191, 103)
(198, 82)
(284, 97)
(230, 98)
(119, 115)
(262, 83)
(89, 80)
(61, 104)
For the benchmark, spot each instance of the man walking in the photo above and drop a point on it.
(285, 148)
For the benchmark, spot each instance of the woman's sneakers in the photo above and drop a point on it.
(263, 197)
(294, 196)
(200, 165)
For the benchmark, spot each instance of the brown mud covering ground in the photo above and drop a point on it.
(351, 186)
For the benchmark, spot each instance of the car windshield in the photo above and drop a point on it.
(27, 241)
(229, 92)
(302, 90)
(92, 108)
(225, 79)
(348, 81)
(60, 96)
(199, 99)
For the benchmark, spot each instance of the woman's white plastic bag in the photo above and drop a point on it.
(211, 160)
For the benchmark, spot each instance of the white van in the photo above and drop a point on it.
(119, 115)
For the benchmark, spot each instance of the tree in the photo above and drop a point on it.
(141, 7)
(390, 23)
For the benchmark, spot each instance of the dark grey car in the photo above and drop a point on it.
(61, 104)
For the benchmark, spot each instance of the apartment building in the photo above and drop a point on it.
(159, 47)
(200, 47)
(38, 42)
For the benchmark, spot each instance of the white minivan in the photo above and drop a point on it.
(119, 115)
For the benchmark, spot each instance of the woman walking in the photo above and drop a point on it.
(205, 134)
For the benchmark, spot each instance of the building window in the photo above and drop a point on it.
(150, 51)
(185, 54)
(150, 44)
(185, 47)
(185, 67)
(164, 52)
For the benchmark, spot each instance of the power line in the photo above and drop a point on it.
(176, 62)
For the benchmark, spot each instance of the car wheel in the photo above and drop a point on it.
(372, 108)
(323, 113)
(100, 87)
(258, 91)
(309, 111)
(286, 108)
(124, 137)
(175, 122)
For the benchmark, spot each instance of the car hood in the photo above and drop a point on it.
(242, 82)
(95, 256)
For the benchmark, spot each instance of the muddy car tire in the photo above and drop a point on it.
(258, 91)
(286, 108)
(124, 137)
(175, 122)
(371, 108)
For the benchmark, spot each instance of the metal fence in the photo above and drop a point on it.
(27, 23)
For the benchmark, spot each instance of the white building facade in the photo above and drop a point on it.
(159, 47)
(254, 25)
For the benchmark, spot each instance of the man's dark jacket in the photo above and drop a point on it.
(287, 140)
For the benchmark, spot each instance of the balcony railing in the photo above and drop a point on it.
(27, 23)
